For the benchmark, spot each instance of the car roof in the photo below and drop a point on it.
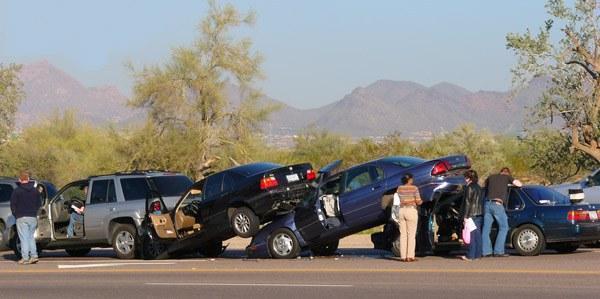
(148, 173)
(253, 168)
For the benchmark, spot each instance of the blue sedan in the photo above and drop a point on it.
(353, 200)
(538, 217)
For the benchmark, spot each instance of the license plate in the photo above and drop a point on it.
(292, 178)
(593, 215)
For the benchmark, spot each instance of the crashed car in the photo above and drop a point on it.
(353, 200)
(590, 186)
(538, 218)
(228, 203)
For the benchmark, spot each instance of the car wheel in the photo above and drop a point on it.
(244, 222)
(327, 249)
(283, 244)
(78, 251)
(124, 241)
(528, 240)
(211, 249)
(566, 247)
(152, 249)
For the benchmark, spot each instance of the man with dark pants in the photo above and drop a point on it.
(25, 202)
(495, 209)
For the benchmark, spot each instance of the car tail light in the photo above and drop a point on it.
(578, 216)
(268, 183)
(311, 175)
(155, 207)
(440, 168)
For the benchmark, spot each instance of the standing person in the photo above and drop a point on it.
(408, 217)
(495, 209)
(473, 209)
(77, 208)
(25, 202)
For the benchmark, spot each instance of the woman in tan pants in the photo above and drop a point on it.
(408, 217)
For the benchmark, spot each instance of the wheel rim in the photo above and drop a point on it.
(242, 223)
(528, 240)
(125, 242)
(283, 244)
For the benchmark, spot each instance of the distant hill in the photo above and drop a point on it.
(378, 109)
(49, 89)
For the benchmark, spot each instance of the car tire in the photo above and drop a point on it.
(124, 241)
(327, 249)
(211, 249)
(78, 252)
(283, 244)
(152, 249)
(528, 240)
(244, 222)
(566, 247)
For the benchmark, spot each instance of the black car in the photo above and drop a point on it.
(228, 203)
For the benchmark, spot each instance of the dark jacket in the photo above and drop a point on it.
(473, 204)
(25, 201)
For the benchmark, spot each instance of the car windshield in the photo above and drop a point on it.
(175, 185)
(546, 196)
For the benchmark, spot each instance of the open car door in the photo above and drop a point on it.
(159, 217)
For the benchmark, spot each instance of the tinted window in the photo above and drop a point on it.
(231, 181)
(514, 200)
(546, 196)
(213, 185)
(377, 173)
(252, 169)
(172, 185)
(594, 180)
(103, 191)
(403, 161)
(357, 178)
(5, 192)
(135, 188)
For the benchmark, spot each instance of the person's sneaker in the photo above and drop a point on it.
(34, 260)
(502, 255)
(23, 262)
(487, 255)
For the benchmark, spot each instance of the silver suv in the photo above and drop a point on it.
(114, 210)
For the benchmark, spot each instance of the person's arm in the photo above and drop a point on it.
(418, 200)
(517, 183)
(13, 201)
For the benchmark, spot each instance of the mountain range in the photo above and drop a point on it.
(378, 109)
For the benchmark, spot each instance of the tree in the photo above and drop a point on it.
(11, 95)
(572, 63)
(187, 99)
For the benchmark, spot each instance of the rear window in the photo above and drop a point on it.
(5, 192)
(135, 188)
(252, 169)
(174, 185)
(404, 162)
(546, 196)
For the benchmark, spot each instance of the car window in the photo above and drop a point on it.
(377, 173)
(103, 191)
(357, 178)
(231, 181)
(172, 185)
(546, 196)
(213, 185)
(515, 202)
(135, 188)
(5, 192)
(74, 192)
(193, 195)
(594, 180)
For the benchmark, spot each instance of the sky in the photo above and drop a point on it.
(315, 51)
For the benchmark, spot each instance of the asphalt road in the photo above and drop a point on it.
(354, 273)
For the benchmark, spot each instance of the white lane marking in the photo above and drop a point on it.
(108, 265)
(247, 284)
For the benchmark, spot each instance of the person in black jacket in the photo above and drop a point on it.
(473, 209)
(25, 202)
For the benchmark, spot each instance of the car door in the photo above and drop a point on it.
(591, 187)
(44, 227)
(361, 196)
(213, 187)
(101, 202)
(58, 208)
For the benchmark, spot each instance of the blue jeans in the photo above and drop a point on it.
(26, 229)
(75, 218)
(494, 211)
(475, 247)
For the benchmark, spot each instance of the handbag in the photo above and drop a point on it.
(468, 227)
